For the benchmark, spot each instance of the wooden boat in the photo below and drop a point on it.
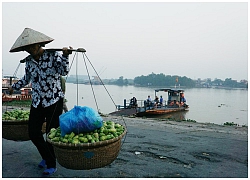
(174, 103)
(6, 98)
(21, 95)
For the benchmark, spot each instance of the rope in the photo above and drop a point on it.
(14, 75)
(100, 80)
(70, 67)
(125, 133)
(77, 80)
(90, 83)
(86, 66)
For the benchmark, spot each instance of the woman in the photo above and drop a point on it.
(43, 69)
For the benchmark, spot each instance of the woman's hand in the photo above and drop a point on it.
(67, 51)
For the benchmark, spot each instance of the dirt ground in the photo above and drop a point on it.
(152, 148)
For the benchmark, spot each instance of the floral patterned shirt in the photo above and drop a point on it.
(44, 76)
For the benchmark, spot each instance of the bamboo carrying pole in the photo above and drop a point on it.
(59, 49)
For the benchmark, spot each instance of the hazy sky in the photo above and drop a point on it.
(129, 39)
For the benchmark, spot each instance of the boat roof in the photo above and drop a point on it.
(9, 77)
(168, 89)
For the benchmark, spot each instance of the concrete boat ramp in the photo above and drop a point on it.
(124, 112)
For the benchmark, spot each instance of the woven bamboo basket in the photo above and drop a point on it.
(17, 130)
(86, 156)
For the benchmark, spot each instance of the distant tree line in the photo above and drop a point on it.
(156, 80)
(120, 81)
(168, 81)
(230, 83)
(163, 80)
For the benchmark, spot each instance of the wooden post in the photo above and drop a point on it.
(124, 103)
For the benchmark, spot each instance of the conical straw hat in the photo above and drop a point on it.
(28, 37)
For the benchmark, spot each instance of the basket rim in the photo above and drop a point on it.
(95, 144)
(11, 122)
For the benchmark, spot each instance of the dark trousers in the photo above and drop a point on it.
(36, 120)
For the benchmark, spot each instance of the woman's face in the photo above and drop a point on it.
(32, 49)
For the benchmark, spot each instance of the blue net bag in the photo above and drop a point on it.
(80, 119)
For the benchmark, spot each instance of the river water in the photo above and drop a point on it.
(207, 105)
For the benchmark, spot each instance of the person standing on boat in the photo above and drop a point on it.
(133, 102)
(43, 69)
(156, 101)
(161, 100)
(183, 100)
(149, 101)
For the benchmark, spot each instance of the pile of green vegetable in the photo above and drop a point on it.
(16, 115)
(109, 130)
(23, 103)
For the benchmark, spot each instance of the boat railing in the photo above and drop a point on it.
(141, 104)
(8, 85)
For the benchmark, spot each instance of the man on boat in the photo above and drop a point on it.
(156, 101)
(149, 101)
(161, 100)
(183, 100)
(133, 102)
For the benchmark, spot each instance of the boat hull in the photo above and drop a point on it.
(141, 111)
(159, 111)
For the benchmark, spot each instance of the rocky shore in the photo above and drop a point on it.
(152, 148)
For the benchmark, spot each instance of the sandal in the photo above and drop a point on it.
(42, 164)
(49, 171)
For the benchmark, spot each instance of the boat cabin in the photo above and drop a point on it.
(175, 97)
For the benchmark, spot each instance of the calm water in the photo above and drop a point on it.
(206, 105)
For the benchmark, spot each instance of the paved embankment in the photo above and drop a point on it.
(152, 148)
